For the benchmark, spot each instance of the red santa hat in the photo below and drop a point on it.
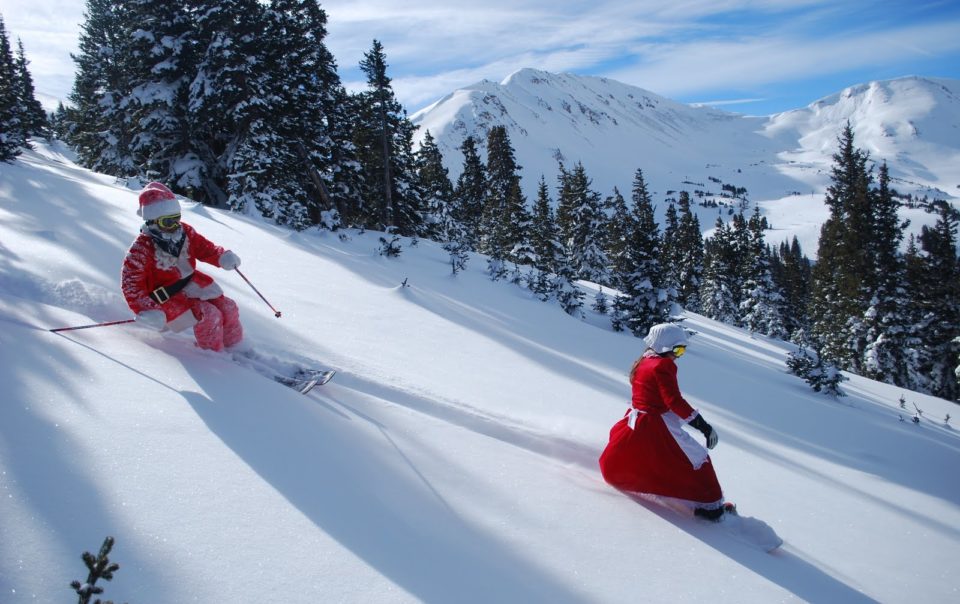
(157, 200)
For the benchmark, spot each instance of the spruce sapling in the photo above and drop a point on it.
(100, 567)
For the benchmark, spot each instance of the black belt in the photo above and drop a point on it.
(162, 294)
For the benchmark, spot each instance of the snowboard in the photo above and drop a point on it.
(747, 530)
(751, 531)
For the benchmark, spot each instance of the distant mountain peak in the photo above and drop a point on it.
(613, 128)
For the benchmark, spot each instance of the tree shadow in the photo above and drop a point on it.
(783, 566)
(355, 484)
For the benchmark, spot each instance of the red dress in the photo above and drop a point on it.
(649, 452)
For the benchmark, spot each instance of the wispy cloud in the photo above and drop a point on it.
(693, 48)
(685, 49)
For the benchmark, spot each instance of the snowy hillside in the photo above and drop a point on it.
(452, 459)
(782, 160)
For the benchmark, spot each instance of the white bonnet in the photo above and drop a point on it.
(664, 336)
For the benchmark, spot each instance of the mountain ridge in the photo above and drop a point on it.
(613, 128)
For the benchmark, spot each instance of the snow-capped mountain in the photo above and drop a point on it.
(613, 129)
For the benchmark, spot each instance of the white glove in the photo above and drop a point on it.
(154, 319)
(229, 261)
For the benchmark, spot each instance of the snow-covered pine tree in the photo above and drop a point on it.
(229, 101)
(617, 245)
(161, 67)
(34, 118)
(565, 288)
(717, 294)
(791, 272)
(543, 241)
(842, 273)
(936, 294)
(885, 320)
(288, 148)
(761, 309)
(383, 137)
(102, 127)
(436, 190)
(821, 376)
(470, 192)
(343, 175)
(671, 226)
(437, 193)
(506, 220)
(268, 168)
(521, 253)
(646, 298)
(601, 303)
(685, 250)
(12, 138)
(582, 225)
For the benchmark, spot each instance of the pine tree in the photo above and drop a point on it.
(582, 225)
(842, 275)
(12, 138)
(343, 175)
(101, 128)
(437, 192)
(34, 118)
(98, 567)
(620, 228)
(718, 299)
(280, 163)
(383, 137)
(505, 221)
(228, 101)
(685, 250)
(568, 294)
(938, 298)
(915, 355)
(543, 240)
(761, 310)
(791, 273)
(469, 194)
(885, 320)
(646, 297)
(162, 65)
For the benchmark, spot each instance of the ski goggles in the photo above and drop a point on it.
(679, 349)
(168, 223)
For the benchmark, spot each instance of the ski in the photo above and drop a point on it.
(291, 374)
(312, 378)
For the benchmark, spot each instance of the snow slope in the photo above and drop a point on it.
(452, 459)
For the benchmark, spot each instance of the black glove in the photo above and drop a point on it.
(708, 432)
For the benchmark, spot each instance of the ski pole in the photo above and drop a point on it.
(276, 312)
(94, 325)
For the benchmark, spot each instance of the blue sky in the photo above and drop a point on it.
(750, 56)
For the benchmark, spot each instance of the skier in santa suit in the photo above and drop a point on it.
(160, 281)
(649, 451)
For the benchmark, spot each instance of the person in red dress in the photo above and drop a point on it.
(161, 284)
(649, 451)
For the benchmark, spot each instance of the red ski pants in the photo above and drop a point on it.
(218, 323)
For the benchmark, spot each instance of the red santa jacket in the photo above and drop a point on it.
(655, 388)
(146, 268)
